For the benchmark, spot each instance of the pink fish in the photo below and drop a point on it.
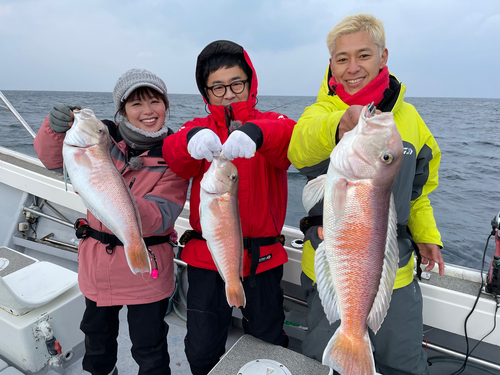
(221, 225)
(357, 262)
(94, 177)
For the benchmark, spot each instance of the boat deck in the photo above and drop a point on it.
(445, 298)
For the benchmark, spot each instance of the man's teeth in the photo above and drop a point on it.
(149, 121)
(354, 80)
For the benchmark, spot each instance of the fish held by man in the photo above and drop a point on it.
(221, 225)
(357, 262)
(87, 159)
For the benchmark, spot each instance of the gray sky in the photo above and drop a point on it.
(437, 48)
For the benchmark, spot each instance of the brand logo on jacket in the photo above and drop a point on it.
(408, 151)
(264, 258)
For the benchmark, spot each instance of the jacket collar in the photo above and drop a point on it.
(392, 104)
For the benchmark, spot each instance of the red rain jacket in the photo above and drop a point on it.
(263, 190)
(159, 194)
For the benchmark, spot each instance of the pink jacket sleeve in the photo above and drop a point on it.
(48, 146)
(163, 204)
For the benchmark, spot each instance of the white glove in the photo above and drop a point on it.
(238, 145)
(203, 144)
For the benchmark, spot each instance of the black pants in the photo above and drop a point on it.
(209, 315)
(148, 333)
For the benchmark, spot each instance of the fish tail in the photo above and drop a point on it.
(349, 356)
(138, 259)
(236, 295)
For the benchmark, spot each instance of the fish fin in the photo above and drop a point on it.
(134, 204)
(65, 177)
(241, 256)
(325, 286)
(81, 158)
(349, 356)
(138, 258)
(214, 258)
(313, 192)
(339, 198)
(389, 270)
(236, 295)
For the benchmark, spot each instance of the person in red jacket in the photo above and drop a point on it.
(104, 276)
(257, 142)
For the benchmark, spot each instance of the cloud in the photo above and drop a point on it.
(438, 48)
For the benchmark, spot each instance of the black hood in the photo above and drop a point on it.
(214, 48)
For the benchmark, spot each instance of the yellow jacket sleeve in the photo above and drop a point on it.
(313, 137)
(421, 221)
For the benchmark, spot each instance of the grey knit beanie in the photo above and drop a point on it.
(133, 79)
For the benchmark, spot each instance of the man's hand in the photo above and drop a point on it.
(238, 145)
(349, 119)
(431, 254)
(204, 144)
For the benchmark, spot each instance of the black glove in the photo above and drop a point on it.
(60, 117)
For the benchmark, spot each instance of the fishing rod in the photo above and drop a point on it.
(279, 106)
(11, 108)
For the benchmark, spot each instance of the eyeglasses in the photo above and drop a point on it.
(237, 87)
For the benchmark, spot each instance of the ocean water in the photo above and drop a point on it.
(467, 131)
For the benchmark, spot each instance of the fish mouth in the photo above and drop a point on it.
(78, 143)
(77, 146)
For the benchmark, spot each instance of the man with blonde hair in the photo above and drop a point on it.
(357, 76)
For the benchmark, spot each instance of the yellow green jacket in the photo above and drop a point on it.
(313, 140)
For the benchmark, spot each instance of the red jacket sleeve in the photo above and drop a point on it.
(276, 131)
(48, 146)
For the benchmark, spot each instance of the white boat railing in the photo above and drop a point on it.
(11, 108)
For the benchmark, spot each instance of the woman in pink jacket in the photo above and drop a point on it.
(104, 276)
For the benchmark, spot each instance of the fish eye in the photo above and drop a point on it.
(100, 131)
(233, 177)
(387, 157)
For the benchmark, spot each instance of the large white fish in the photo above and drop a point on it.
(357, 262)
(86, 153)
(221, 225)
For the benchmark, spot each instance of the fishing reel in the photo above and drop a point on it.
(493, 280)
(495, 222)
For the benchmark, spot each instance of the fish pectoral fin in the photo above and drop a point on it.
(339, 197)
(81, 158)
(389, 271)
(325, 286)
(313, 192)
